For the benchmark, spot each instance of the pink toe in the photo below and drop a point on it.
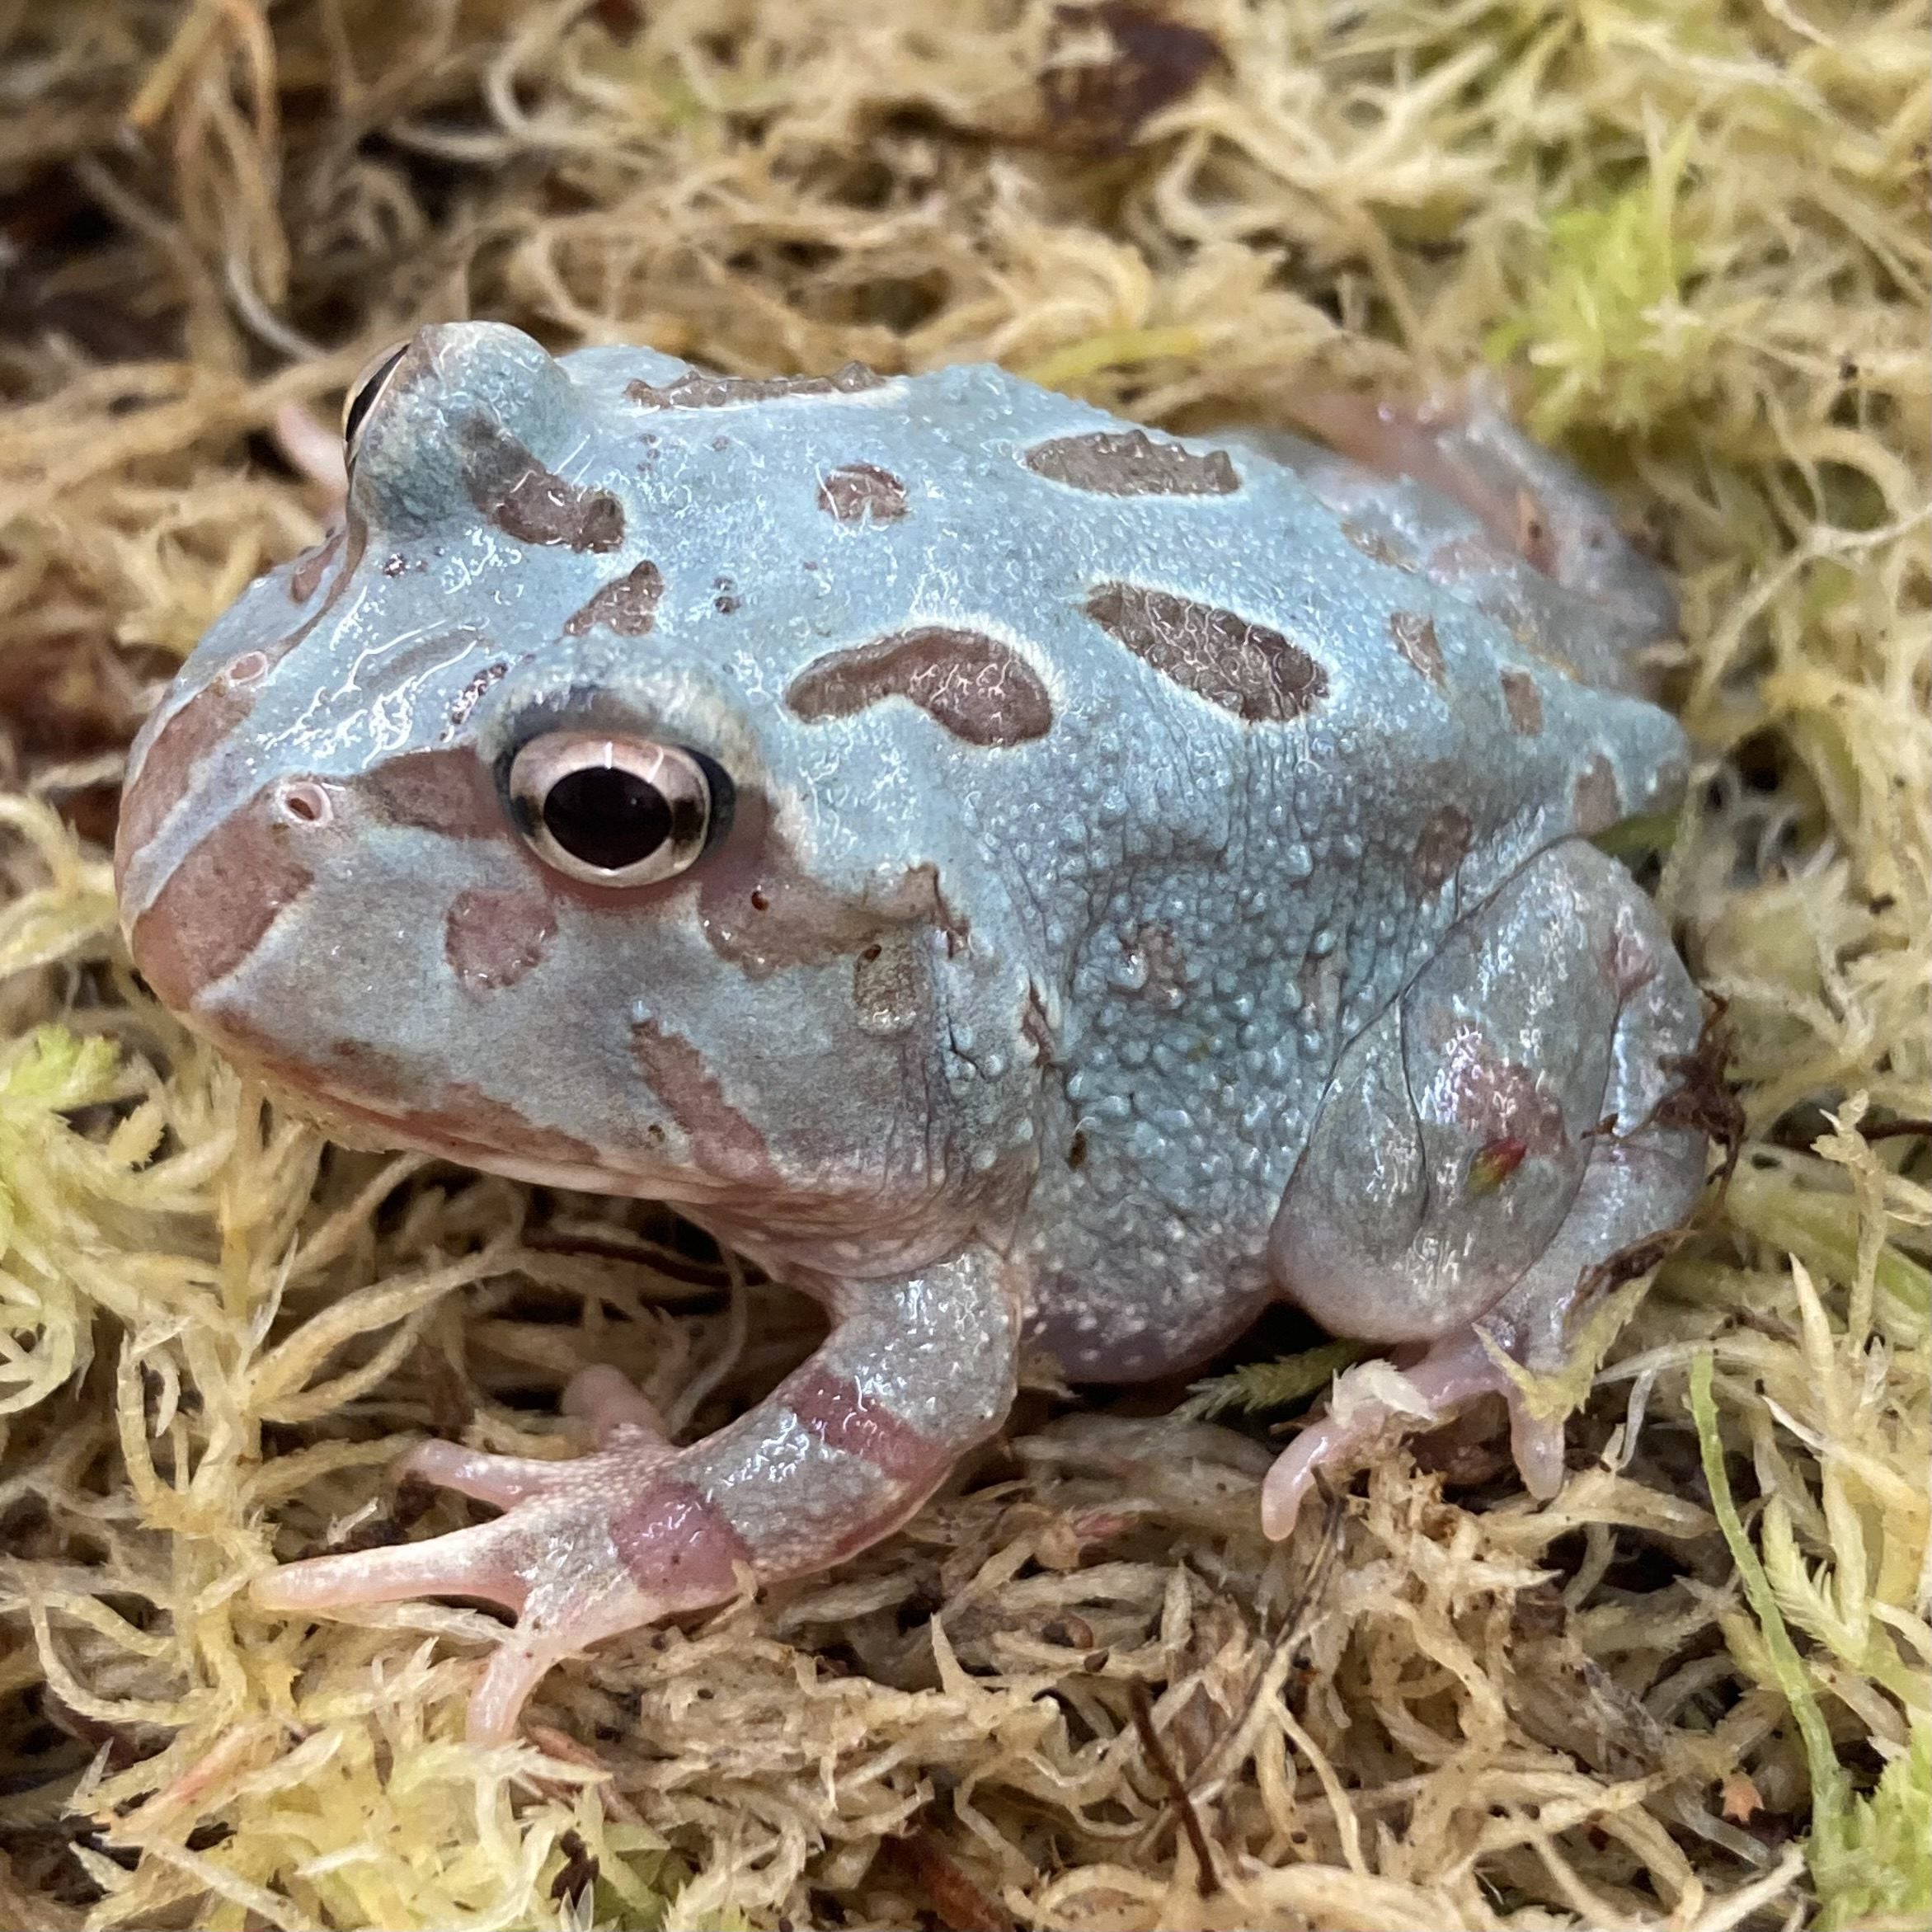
(467, 1562)
(501, 1479)
(608, 1401)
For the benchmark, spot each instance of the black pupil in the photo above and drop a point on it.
(364, 399)
(607, 817)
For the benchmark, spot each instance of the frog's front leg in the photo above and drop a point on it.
(1499, 1132)
(914, 1373)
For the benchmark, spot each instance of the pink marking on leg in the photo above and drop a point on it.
(839, 1414)
(677, 1544)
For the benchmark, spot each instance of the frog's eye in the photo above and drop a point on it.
(615, 811)
(365, 393)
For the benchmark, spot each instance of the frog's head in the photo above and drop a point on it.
(478, 829)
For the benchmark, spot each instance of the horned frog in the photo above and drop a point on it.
(1009, 873)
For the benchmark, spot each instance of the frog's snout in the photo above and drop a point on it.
(193, 917)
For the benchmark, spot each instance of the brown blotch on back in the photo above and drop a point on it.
(627, 605)
(446, 791)
(172, 762)
(1441, 846)
(1596, 798)
(1130, 463)
(1523, 702)
(1414, 632)
(1248, 668)
(492, 938)
(723, 1141)
(533, 505)
(972, 685)
(857, 492)
(219, 902)
(698, 390)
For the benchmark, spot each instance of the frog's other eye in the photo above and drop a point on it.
(615, 811)
(365, 393)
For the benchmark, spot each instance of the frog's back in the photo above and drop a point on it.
(1061, 574)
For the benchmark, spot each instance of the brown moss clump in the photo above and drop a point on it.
(1079, 1690)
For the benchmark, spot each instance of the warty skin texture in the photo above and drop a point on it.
(1099, 802)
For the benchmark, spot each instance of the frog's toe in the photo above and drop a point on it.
(475, 1562)
(503, 1480)
(611, 1402)
(1370, 1402)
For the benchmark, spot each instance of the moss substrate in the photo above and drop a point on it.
(1689, 235)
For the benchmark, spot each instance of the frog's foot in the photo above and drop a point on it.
(1375, 1400)
(1522, 1145)
(842, 1452)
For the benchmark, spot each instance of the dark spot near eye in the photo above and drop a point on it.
(1077, 1151)
(857, 492)
(1597, 803)
(445, 791)
(696, 391)
(395, 564)
(1414, 637)
(1130, 463)
(1245, 668)
(972, 685)
(528, 502)
(627, 605)
(472, 694)
(493, 938)
(310, 568)
(1441, 847)
(1523, 702)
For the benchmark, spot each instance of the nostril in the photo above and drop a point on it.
(304, 803)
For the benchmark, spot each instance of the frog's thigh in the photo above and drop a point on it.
(1485, 1144)
(1456, 1132)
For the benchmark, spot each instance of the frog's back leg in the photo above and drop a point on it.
(1500, 1132)
(1453, 489)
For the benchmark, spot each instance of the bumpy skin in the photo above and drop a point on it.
(1155, 884)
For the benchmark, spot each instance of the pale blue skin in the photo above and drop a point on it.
(1150, 978)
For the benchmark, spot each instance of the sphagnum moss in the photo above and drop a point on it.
(1691, 1693)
